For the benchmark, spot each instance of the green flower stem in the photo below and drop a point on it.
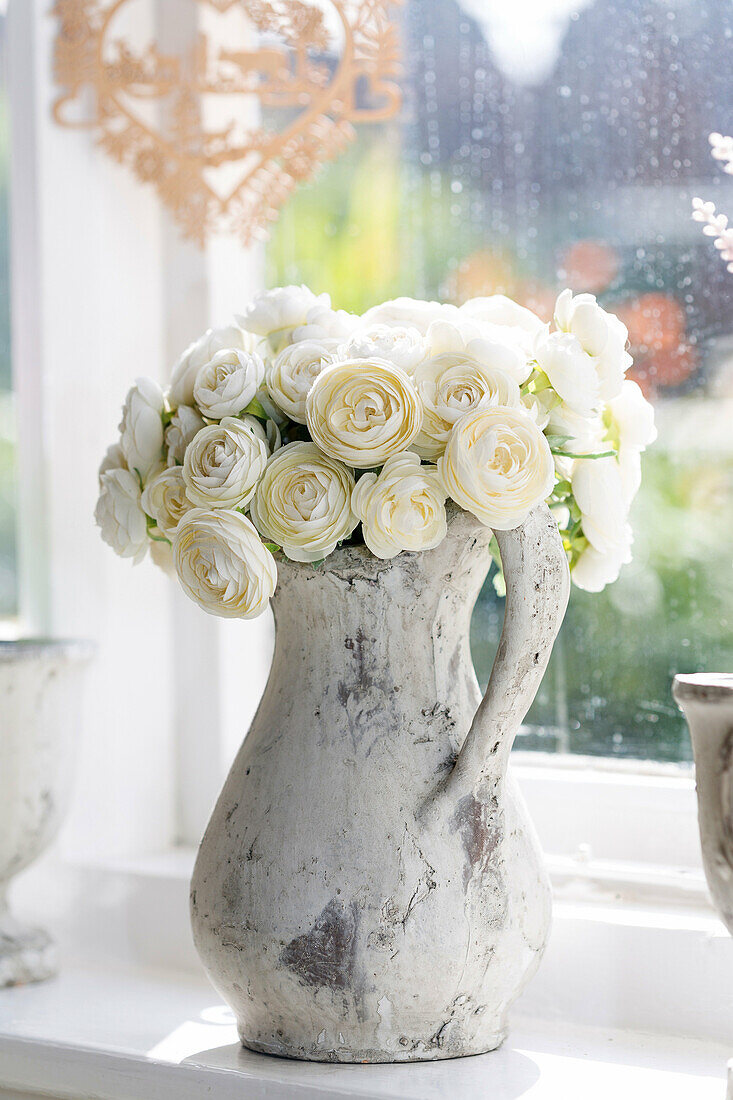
(568, 454)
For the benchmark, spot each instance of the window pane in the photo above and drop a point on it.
(8, 561)
(542, 146)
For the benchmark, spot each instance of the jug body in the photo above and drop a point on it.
(356, 896)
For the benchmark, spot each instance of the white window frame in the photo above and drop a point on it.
(184, 686)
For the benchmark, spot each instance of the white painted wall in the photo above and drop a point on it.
(86, 319)
(105, 289)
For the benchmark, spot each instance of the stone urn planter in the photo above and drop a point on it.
(706, 699)
(370, 887)
(40, 701)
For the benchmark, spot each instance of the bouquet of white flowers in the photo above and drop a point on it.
(300, 427)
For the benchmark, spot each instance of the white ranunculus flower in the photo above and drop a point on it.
(274, 314)
(164, 499)
(629, 464)
(324, 323)
(161, 553)
(599, 493)
(498, 466)
(119, 514)
(141, 427)
(401, 509)
(398, 344)
(226, 385)
(580, 434)
(409, 313)
(630, 418)
(600, 334)
(521, 326)
(114, 459)
(471, 341)
(457, 377)
(201, 352)
(571, 372)
(291, 374)
(362, 411)
(185, 423)
(273, 438)
(303, 502)
(539, 406)
(222, 564)
(593, 570)
(224, 463)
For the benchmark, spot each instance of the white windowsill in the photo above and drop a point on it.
(132, 1034)
(634, 991)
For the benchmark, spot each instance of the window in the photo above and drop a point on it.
(8, 553)
(547, 146)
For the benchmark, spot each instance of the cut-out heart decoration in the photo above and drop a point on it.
(260, 96)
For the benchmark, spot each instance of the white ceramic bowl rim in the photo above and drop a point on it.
(704, 685)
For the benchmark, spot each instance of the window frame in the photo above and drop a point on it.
(186, 738)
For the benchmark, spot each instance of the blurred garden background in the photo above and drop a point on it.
(546, 144)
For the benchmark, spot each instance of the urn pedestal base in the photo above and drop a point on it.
(40, 709)
(27, 954)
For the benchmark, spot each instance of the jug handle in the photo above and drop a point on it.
(537, 590)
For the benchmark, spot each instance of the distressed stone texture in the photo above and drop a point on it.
(369, 887)
(40, 701)
(707, 702)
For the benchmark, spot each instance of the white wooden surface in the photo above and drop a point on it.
(85, 1035)
(612, 961)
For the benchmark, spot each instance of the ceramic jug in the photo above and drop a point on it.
(370, 887)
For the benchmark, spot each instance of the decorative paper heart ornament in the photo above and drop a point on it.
(239, 102)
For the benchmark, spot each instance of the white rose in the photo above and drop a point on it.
(593, 570)
(291, 374)
(401, 509)
(164, 499)
(274, 314)
(570, 371)
(226, 385)
(599, 493)
(114, 459)
(141, 427)
(409, 313)
(600, 334)
(201, 352)
(224, 463)
(498, 466)
(119, 515)
(185, 423)
(222, 565)
(362, 411)
(459, 376)
(521, 326)
(303, 502)
(398, 344)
